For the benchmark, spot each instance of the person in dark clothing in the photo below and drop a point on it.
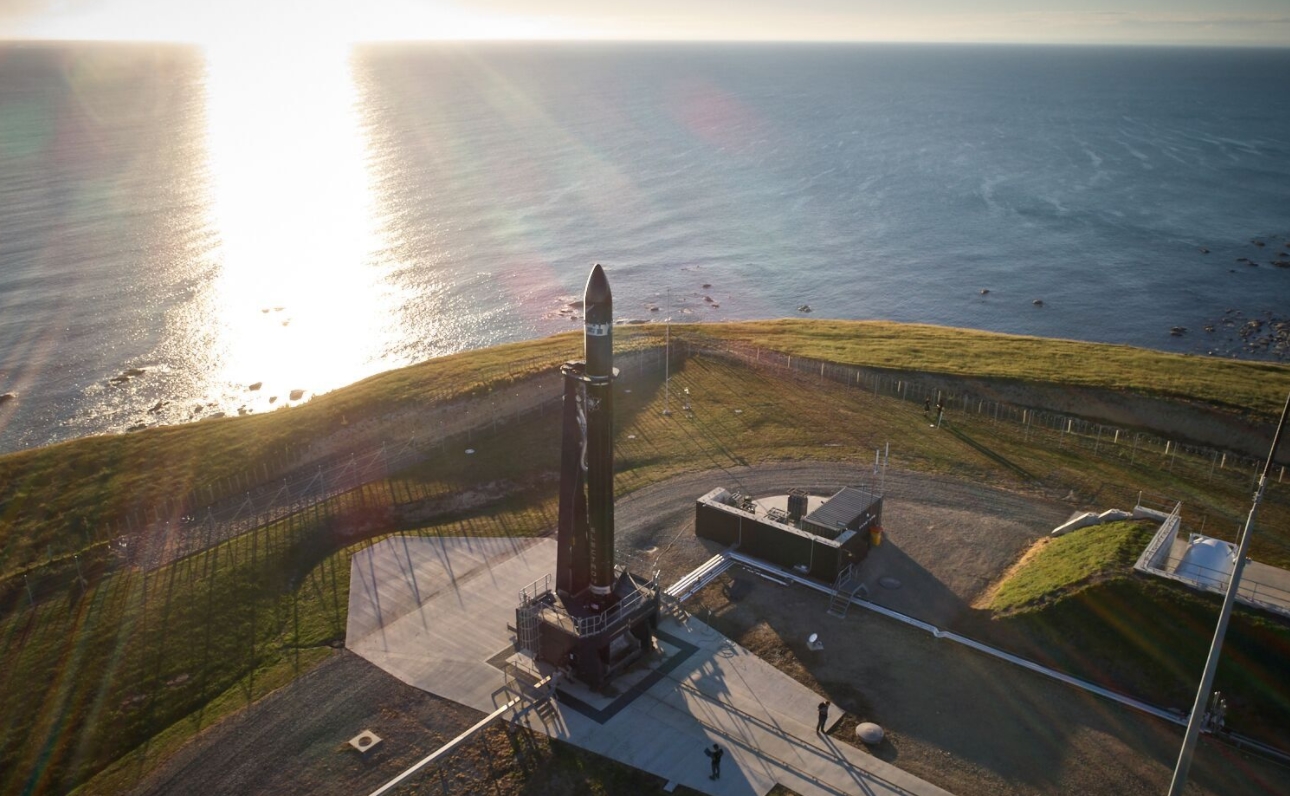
(715, 754)
(927, 406)
(824, 716)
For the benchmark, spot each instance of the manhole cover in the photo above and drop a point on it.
(889, 582)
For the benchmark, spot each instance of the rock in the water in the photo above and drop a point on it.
(7, 397)
(1038, 302)
(296, 395)
(256, 386)
(985, 291)
(133, 372)
(1178, 331)
(1203, 250)
(156, 407)
(804, 308)
(869, 733)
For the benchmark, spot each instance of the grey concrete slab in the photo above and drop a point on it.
(433, 612)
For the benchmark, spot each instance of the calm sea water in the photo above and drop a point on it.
(182, 235)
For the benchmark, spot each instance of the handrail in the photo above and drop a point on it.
(455, 742)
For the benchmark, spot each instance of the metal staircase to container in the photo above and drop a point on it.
(845, 588)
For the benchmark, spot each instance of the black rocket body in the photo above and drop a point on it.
(598, 346)
(598, 621)
(585, 555)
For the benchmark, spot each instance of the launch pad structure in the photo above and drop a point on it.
(595, 620)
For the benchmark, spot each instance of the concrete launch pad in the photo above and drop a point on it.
(434, 612)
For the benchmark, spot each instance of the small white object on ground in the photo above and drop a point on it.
(365, 741)
(869, 733)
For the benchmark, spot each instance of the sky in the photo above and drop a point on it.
(1161, 22)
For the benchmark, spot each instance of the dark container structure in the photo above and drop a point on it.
(821, 543)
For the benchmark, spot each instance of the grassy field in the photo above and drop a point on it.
(103, 680)
(1254, 387)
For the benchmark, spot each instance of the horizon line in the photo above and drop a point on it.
(697, 41)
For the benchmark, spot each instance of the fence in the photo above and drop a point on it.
(174, 530)
(309, 474)
(1066, 430)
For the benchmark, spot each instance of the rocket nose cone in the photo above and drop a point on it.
(597, 291)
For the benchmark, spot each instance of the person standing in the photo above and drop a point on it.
(824, 716)
(715, 754)
(927, 406)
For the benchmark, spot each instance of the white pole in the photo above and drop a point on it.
(667, 358)
(1216, 647)
(886, 456)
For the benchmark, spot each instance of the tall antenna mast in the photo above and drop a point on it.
(667, 357)
(1216, 648)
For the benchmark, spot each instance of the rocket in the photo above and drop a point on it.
(585, 542)
(598, 348)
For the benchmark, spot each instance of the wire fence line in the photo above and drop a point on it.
(314, 472)
(176, 528)
(1063, 429)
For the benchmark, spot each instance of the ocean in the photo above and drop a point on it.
(186, 233)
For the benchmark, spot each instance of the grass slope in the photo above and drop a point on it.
(1258, 387)
(1068, 563)
(1077, 605)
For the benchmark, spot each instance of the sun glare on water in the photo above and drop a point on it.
(300, 300)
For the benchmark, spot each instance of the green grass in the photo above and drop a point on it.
(1076, 604)
(61, 499)
(100, 685)
(1076, 560)
(1253, 387)
(1149, 638)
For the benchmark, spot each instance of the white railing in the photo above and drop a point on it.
(1168, 531)
(533, 591)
